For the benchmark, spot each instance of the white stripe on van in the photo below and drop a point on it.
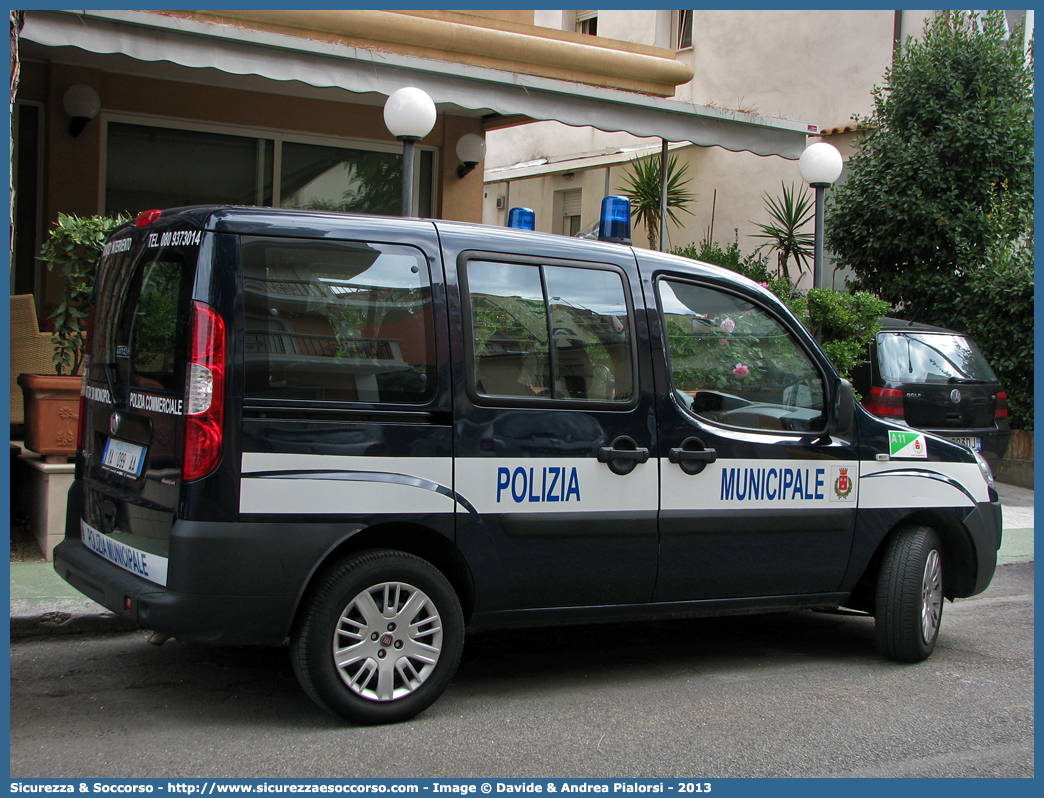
(282, 484)
(912, 484)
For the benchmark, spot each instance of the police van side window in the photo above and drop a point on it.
(546, 332)
(732, 363)
(337, 321)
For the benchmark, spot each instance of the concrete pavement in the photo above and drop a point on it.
(42, 603)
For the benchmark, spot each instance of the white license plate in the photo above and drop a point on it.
(974, 444)
(123, 457)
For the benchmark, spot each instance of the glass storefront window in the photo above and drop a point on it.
(340, 179)
(148, 166)
(158, 167)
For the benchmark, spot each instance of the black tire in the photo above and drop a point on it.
(909, 602)
(402, 652)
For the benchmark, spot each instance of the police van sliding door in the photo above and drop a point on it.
(756, 500)
(555, 433)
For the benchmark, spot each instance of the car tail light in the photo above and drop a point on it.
(81, 426)
(885, 402)
(204, 393)
(1002, 405)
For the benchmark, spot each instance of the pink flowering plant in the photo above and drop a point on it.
(721, 353)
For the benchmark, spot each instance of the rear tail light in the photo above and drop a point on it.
(885, 402)
(1002, 405)
(81, 426)
(204, 393)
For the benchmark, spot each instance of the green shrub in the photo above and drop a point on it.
(998, 314)
(843, 323)
(74, 245)
(754, 266)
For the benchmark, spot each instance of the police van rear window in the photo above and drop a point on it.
(337, 321)
(141, 310)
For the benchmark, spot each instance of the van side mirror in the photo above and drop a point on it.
(843, 410)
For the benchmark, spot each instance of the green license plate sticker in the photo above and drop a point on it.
(907, 444)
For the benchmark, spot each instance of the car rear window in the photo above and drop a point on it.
(931, 357)
(141, 313)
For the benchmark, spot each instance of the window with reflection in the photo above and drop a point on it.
(549, 332)
(733, 363)
(164, 166)
(337, 321)
(931, 357)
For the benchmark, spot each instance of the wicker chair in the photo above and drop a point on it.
(31, 350)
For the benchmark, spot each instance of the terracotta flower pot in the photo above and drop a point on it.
(52, 412)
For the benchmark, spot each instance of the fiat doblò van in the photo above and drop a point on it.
(367, 436)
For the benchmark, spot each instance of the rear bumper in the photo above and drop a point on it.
(206, 600)
(225, 620)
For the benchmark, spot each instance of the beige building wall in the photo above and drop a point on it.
(817, 67)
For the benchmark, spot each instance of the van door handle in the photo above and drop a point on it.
(622, 455)
(692, 456)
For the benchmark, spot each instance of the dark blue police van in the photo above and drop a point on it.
(367, 436)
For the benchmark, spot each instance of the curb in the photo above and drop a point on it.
(63, 617)
(54, 623)
(1015, 472)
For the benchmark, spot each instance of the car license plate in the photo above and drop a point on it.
(975, 444)
(123, 457)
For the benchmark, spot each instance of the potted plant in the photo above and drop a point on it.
(52, 401)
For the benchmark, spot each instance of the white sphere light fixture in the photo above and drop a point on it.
(820, 164)
(82, 103)
(471, 149)
(409, 113)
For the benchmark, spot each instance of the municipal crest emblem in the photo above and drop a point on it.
(843, 484)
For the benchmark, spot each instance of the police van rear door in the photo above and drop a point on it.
(756, 500)
(134, 393)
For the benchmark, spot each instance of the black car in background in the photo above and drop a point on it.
(938, 381)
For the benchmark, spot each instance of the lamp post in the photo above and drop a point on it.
(820, 165)
(409, 114)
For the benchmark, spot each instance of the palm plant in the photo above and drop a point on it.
(643, 189)
(789, 215)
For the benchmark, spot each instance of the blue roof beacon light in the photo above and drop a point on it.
(521, 218)
(615, 223)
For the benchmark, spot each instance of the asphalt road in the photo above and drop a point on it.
(796, 694)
